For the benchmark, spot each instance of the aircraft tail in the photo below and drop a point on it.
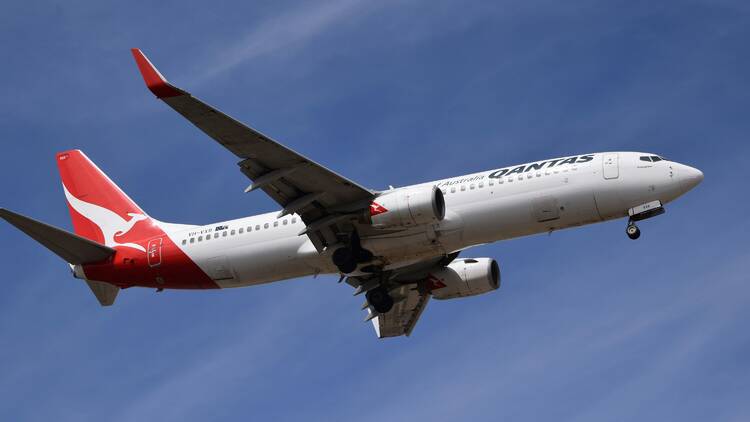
(99, 209)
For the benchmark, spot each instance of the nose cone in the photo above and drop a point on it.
(690, 177)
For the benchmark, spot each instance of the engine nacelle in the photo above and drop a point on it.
(465, 277)
(408, 208)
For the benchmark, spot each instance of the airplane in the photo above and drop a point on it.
(398, 247)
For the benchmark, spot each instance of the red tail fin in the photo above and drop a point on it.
(99, 209)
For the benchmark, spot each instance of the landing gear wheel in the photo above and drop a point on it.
(345, 260)
(347, 267)
(380, 300)
(341, 256)
(633, 231)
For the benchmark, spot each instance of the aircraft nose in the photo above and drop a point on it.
(690, 177)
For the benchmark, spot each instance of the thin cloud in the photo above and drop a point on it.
(288, 30)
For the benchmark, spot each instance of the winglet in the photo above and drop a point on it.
(154, 80)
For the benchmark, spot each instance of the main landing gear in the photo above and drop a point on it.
(632, 230)
(347, 258)
(380, 300)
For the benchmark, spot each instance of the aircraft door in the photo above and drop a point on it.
(610, 166)
(546, 208)
(219, 269)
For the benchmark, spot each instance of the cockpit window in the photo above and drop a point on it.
(645, 158)
(655, 158)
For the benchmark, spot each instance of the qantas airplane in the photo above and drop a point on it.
(399, 247)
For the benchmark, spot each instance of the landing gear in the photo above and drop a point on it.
(348, 257)
(633, 231)
(380, 300)
(344, 259)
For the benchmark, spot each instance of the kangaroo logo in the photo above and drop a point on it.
(110, 223)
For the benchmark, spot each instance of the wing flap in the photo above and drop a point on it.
(403, 317)
(68, 246)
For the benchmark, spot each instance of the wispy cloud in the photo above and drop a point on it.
(292, 29)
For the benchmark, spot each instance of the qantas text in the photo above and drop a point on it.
(540, 165)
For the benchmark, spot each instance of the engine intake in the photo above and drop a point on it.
(408, 207)
(465, 277)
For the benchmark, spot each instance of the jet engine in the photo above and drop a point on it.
(408, 207)
(465, 277)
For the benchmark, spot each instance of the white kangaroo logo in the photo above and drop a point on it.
(111, 224)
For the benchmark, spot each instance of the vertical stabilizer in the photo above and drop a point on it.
(99, 209)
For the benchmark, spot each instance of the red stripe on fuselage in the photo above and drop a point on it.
(130, 267)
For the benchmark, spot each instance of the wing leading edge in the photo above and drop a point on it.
(320, 196)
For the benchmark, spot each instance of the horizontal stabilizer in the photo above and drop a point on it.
(68, 246)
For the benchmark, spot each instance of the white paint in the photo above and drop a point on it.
(486, 210)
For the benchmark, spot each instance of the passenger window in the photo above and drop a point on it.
(200, 238)
(232, 232)
(276, 224)
(184, 241)
(453, 189)
(655, 158)
(492, 182)
(510, 179)
(463, 188)
(265, 226)
(242, 230)
(471, 186)
(249, 229)
(644, 158)
(538, 174)
(283, 222)
(257, 227)
(224, 234)
(192, 240)
(294, 220)
(216, 235)
(481, 185)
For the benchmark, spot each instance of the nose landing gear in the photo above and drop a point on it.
(642, 212)
(632, 230)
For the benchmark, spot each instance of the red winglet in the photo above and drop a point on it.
(154, 80)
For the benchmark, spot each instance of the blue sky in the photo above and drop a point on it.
(587, 326)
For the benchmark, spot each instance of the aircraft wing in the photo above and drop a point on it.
(410, 296)
(320, 196)
(403, 317)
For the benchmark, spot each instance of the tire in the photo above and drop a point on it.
(633, 231)
(347, 267)
(363, 255)
(380, 300)
(342, 256)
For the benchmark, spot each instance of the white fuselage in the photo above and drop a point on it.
(480, 208)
